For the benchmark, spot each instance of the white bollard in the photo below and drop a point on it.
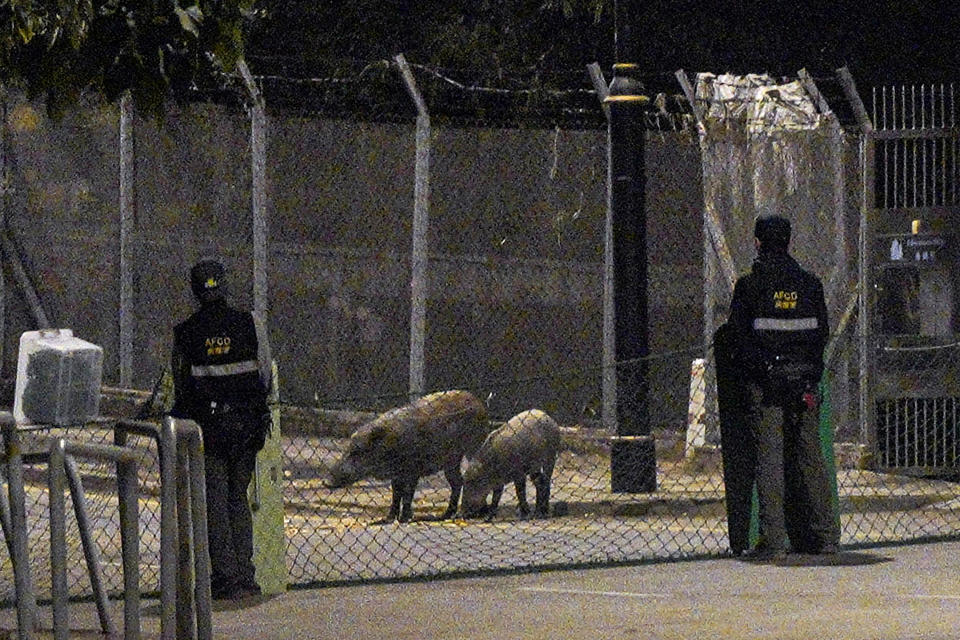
(697, 408)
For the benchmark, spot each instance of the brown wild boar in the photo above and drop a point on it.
(526, 445)
(430, 434)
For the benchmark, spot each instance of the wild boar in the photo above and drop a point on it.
(526, 445)
(430, 434)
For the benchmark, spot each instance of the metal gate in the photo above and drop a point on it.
(910, 336)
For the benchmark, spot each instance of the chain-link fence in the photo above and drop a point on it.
(502, 293)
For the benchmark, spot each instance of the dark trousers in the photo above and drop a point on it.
(229, 522)
(793, 490)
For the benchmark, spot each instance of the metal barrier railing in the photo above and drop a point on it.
(126, 461)
(90, 549)
(186, 604)
(16, 532)
(185, 599)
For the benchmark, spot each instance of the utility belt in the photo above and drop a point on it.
(223, 408)
(791, 372)
(786, 370)
(229, 427)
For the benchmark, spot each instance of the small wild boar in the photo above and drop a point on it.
(431, 434)
(526, 445)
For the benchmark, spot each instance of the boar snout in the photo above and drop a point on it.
(341, 475)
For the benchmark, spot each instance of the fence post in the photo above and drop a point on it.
(126, 236)
(4, 186)
(258, 172)
(608, 360)
(167, 452)
(867, 205)
(130, 546)
(421, 219)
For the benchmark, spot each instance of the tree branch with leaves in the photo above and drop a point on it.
(155, 49)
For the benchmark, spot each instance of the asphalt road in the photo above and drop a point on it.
(882, 593)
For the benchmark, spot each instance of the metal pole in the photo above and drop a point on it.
(186, 623)
(23, 581)
(609, 358)
(258, 172)
(126, 236)
(633, 464)
(58, 542)
(168, 530)
(165, 438)
(130, 546)
(867, 346)
(4, 186)
(867, 205)
(91, 552)
(201, 550)
(421, 221)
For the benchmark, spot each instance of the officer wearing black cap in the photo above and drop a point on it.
(221, 371)
(779, 318)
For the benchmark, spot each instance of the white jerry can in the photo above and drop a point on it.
(58, 378)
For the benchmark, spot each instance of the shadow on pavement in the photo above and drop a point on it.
(840, 559)
(231, 604)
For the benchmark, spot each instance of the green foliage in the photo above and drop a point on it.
(493, 36)
(153, 49)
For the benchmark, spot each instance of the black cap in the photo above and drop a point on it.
(206, 280)
(773, 231)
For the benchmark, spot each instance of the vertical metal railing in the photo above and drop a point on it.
(127, 464)
(194, 605)
(185, 599)
(165, 438)
(916, 146)
(183, 526)
(61, 467)
(16, 533)
(90, 549)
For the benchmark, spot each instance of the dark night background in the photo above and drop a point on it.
(881, 41)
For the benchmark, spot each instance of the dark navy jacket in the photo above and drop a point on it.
(220, 358)
(779, 317)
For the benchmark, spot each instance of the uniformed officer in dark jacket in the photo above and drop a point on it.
(779, 317)
(221, 372)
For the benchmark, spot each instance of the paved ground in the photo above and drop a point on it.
(882, 593)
